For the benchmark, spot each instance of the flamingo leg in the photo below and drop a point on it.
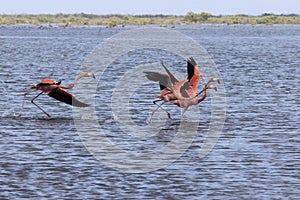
(32, 101)
(184, 110)
(21, 111)
(23, 103)
(159, 106)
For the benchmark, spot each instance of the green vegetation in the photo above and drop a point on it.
(163, 20)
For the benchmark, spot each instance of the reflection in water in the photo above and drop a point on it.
(257, 156)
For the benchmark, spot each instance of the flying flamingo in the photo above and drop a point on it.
(181, 93)
(55, 90)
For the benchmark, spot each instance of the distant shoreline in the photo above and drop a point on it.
(82, 19)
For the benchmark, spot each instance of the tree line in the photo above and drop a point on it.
(163, 20)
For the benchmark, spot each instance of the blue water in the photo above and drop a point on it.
(256, 157)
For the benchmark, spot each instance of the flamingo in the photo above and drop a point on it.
(55, 90)
(181, 93)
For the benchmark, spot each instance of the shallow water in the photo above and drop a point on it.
(256, 156)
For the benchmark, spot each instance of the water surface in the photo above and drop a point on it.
(256, 157)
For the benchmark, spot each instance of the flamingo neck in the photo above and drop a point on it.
(203, 96)
(75, 82)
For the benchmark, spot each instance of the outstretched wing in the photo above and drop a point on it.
(172, 77)
(193, 73)
(163, 79)
(66, 97)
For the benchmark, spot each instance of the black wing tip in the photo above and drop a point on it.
(67, 98)
(75, 102)
(80, 104)
(191, 61)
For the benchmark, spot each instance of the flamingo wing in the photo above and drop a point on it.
(66, 97)
(172, 77)
(193, 73)
(185, 89)
(163, 79)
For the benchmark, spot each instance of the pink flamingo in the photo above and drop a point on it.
(55, 90)
(181, 93)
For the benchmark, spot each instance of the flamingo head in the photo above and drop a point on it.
(215, 80)
(89, 74)
(212, 87)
